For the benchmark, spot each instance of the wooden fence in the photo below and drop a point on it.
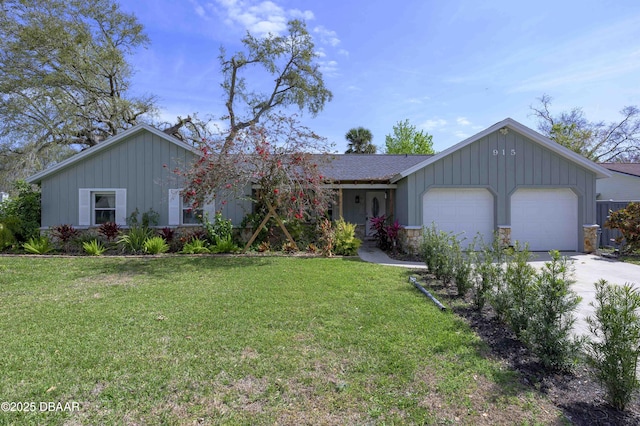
(602, 213)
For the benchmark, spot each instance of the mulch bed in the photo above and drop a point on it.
(576, 393)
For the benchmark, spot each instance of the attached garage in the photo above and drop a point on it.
(466, 211)
(546, 219)
(507, 178)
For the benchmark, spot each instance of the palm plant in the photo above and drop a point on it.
(360, 141)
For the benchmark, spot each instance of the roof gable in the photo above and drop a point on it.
(120, 137)
(509, 123)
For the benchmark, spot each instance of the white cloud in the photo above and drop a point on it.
(343, 52)
(327, 36)
(320, 53)
(328, 68)
(434, 124)
(307, 15)
(462, 121)
(461, 135)
(260, 18)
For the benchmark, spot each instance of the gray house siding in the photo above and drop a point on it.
(235, 208)
(402, 200)
(137, 163)
(476, 166)
(353, 212)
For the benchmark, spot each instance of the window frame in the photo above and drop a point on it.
(177, 209)
(95, 209)
(86, 205)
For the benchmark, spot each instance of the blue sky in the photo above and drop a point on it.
(453, 68)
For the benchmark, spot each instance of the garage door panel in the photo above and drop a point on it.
(546, 219)
(464, 211)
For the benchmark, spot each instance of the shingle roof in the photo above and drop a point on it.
(626, 168)
(369, 167)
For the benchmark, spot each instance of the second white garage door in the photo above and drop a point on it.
(547, 219)
(461, 211)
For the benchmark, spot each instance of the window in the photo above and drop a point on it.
(190, 216)
(181, 213)
(99, 205)
(104, 207)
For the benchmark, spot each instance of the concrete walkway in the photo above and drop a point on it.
(368, 252)
(588, 269)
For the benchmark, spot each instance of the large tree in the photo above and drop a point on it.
(261, 146)
(359, 140)
(293, 74)
(278, 158)
(406, 139)
(64, 76)
(596, 140)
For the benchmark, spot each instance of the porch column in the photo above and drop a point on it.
(340, 209)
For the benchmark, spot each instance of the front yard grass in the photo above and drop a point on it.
(242, 340)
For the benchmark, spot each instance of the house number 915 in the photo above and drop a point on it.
(497, 152)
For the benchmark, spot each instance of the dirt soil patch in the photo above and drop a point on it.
(577, 394)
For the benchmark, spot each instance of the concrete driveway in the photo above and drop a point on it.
(588, 270)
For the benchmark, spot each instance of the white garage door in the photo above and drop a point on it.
(461, 211)
(547, 219)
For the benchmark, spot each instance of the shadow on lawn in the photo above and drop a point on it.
(166, 266)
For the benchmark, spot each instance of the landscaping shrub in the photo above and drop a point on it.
(393, 232)
(93, 247)
(109, 230)
(218, 228)
(133, 241)
(21, 213)
(463, 269)
(378, 223)
(66, 234)
(326, 237)
(444, 257)
(627, 221)
(438, 253)
(386, 234)
(38, 245)
(346, 243)
(614, 352)
(155, 245)
(519, 277)
(488, 285)
(195, 246)
(289, 247)
(6, 237)
(224, 245)
(167, 233)
(552, 307)
(149, 218)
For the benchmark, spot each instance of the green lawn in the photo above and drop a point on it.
(242, 340)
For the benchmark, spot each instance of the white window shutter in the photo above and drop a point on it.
(175, 207)
(84, 207)
(121, 207)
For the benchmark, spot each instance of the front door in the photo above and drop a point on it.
(376, 206)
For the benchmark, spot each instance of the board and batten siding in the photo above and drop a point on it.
(136, 164)
(476, 166)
